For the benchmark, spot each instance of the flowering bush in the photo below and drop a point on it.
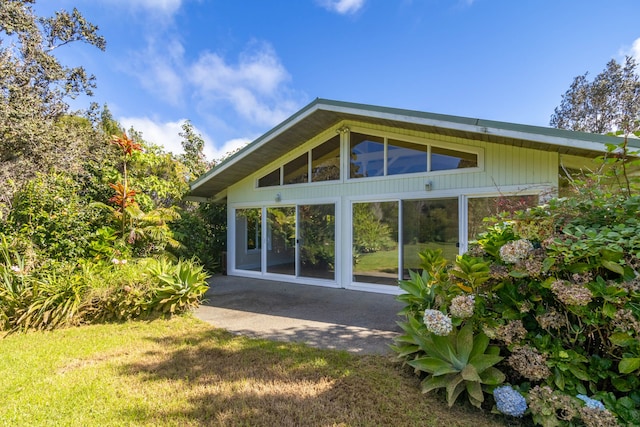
(437, 323)
(509, 401)
(562, 307)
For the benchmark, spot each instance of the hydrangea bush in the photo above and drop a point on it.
(557, 290)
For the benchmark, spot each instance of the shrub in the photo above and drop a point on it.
(60, 294)
(557, 290)
(51, 212)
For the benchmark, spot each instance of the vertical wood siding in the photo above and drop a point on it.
(502, 166)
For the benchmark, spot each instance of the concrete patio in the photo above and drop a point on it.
(355, 321)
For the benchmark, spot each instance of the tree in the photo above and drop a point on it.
(611, 102)
(34, 87)
(193, 146)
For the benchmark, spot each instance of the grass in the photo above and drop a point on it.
(387, 261)
(183, 372)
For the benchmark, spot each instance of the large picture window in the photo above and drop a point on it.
(367, 155)
(368, 158)
(297, 170)
(482, 209)
(323, 159)
(406, 157)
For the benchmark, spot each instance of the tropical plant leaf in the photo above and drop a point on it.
(476, 396)
(484, 361)
(432, 383)
(480, 344)
(432, 365)
(628, 365)
(454, 388)
(465, 343)
(492, 376)
(470, 374)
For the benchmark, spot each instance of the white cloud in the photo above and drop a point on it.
(635, 49)
(228, 148)
(343, 7)
(167, 135)
(159, 70)
(164, 7)
(254, 86)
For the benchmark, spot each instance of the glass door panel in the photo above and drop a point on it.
(248, 239)
(375, 243)
(432, 224)
(317, 241)
(281, 240)
(481, 208)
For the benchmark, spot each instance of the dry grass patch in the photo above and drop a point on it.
(184, 372)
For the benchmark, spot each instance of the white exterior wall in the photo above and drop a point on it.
(501, 169)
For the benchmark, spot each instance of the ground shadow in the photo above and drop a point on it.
(233, 381)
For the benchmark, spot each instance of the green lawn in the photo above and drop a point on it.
(184, 372)
(387, 261)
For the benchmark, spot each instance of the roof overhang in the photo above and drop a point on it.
(322, 114)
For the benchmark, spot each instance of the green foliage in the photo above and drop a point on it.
(182, 286)
(36, 135)
(60, 294)
(193, 158)
(53, 215)
(557, 290)
(606, 103)
(460, 362)
(202, 234)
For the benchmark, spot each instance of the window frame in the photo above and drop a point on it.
(429, 143)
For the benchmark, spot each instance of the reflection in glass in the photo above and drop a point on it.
(431, 224)
(248, 239)
(270, 180)
(317, 241)
(281, 240)
(375, 243)
(405, 157)
(489, 207)
(444, 159)
(367, 155)
(325, 160)
(297, 170)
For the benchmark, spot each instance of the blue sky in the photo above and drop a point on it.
(236, 68)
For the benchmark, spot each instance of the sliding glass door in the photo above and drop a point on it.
(281, 240)
(298, 241)
(317, 241)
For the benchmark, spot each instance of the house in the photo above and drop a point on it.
(346, 195)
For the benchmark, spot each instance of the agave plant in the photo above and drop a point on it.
(182, 287)
(458, 362)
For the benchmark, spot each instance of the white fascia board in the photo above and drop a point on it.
(479, 129)
(260, 142)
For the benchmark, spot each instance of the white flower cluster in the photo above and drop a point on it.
(515, 251)
(509, 401)
(462, 306)
(437, 322)
(116, 261)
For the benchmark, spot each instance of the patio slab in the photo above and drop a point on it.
(355, 321)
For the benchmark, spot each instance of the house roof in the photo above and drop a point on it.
(322, 114)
